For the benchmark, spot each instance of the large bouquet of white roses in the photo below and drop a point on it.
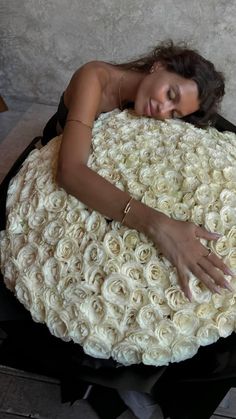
(105, 286)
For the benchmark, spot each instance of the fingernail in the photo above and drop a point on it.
(218, 290)
(229, 272)
(228, 286)
(217, 235)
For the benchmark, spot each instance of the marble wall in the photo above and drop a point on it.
(44, 41)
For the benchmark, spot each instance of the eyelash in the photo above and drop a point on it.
(170, 98)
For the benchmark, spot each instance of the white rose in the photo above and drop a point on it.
(79, 330)
(231, 236)
(181, 212)
(14, 189)
(199, 291)
(76, 294)
(54, 231)
(27, 256)
(134, 270)
(75, 264)
(63, 282)
(228, 197)
(165, 332)
(56, 201)
(52, 299)
(126, 257)
(111, 265)
(226, 323)
(139, 297)
(51, 270)
(95, 223)
(142, 339)
(228, 216)
(94, 253)
(37, 310)
(186, 322)
(231, 259)
(156, 355)
(117, 288)
(126, 354)
(58, 324)
(25, 209)
(144, 252)
(176, 298)
(129, 319)
(96, 347)
(136, 189)
(198, 214)
(165, 203)
(23, 295)
(94, 277)
(189, 184)
(131, 239)
(93, 308)
(65, 249)
(148, 316)
(205, 311)
(113, 244)
(15, 224)
(10, 273)
(188, 199)
(203, 195)
(184, 348)
(38, 219)
(17, 242)
(108, 333)
(218, 300)
(149, 198)
(44, 182)
(207, 334)
(34, 279)
(76, 215)
(115, 313)
(229, 173)
(221, 246)
(156, 274)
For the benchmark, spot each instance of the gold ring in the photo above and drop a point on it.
(209, 252)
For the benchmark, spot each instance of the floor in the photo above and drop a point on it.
(20, 391)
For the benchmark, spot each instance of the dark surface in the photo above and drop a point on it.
(180, 389)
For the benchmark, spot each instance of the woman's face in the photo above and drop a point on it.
(163, 95)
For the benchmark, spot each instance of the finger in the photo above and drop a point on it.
(220, 264)
(205, 278)
(214, 273)
(202, 233)
(183, 281)
(214, 267)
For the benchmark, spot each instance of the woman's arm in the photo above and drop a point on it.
(177, 240)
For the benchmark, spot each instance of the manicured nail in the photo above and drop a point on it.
(228, 286)
(217, 290)
(229, 272)
(217, 235)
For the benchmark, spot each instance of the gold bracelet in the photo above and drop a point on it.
(126, 210)
(78, 120)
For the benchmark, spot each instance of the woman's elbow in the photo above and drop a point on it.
(63, 175)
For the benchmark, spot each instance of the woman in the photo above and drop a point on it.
(171, 82)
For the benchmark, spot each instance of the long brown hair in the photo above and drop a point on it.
(188, 63)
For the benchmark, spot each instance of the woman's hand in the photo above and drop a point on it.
(179, 242)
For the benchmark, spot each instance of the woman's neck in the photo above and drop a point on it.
(128, 85)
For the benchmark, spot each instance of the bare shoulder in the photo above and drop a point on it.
(93, 70)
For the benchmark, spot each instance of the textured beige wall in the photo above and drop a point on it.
(44, 41)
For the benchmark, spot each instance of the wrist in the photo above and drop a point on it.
(144, 218)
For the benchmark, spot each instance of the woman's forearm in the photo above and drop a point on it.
(99, 194)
